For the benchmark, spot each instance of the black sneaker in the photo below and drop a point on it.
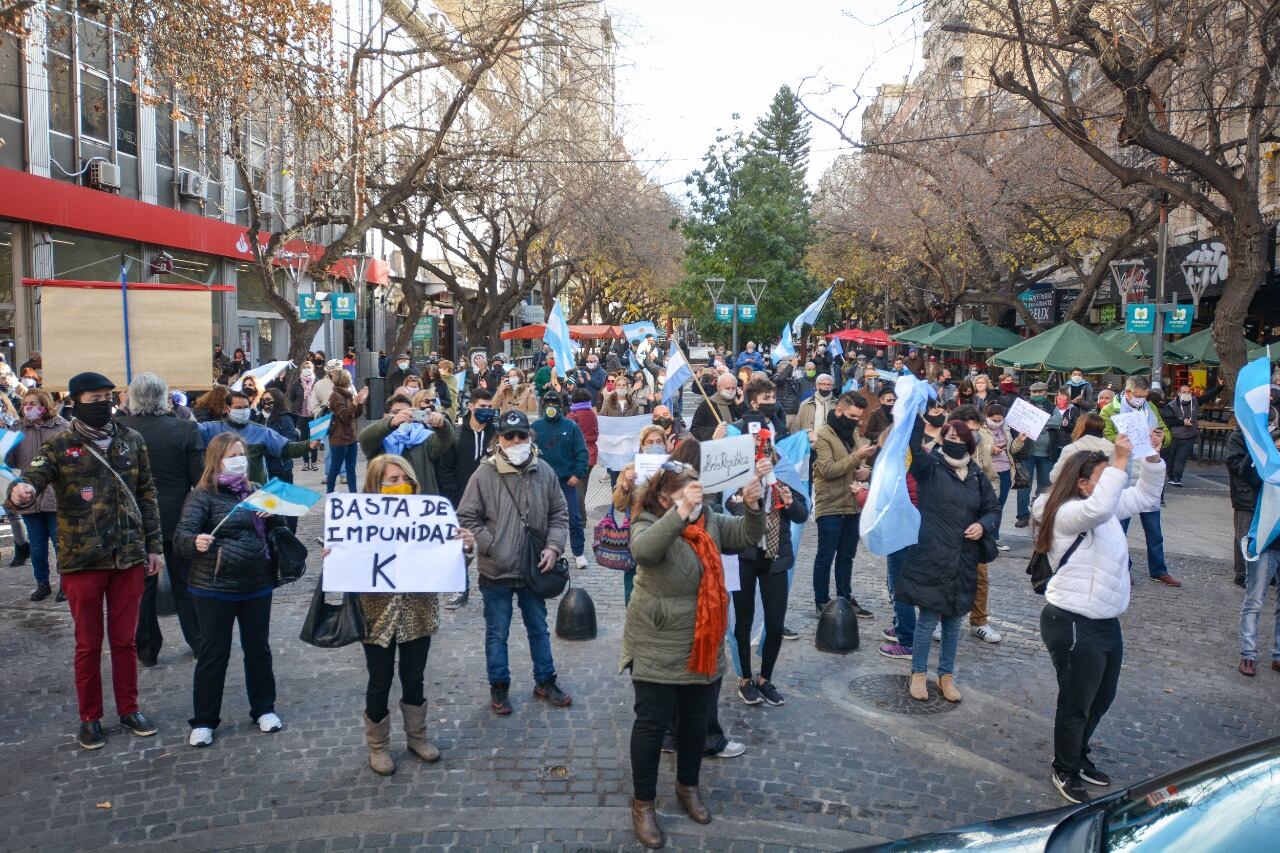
(1093, 775)
(863, 613)
(42, 592)
(551, 692)
(61, 596)
(750, 693)
(90, 736)
(1022, 522)
(1070, 787)
(770, 693)
(138, 723)
(498, 699)
(789, 633)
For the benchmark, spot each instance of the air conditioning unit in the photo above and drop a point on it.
(266, 205)
(103, 175)
(191, 185)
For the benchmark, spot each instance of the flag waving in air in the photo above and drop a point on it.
(280, 498)
(263, 375)
(638, 331)
(1252, 411)
(889, 522)
(784, 348)
(557, 337)
(810, 315)
(678, 373)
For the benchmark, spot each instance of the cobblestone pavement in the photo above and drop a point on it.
(826, 771)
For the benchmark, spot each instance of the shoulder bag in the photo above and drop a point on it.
(611, 542)
(546, 584)
(288, 556)
(1042, 571)
(332, 626)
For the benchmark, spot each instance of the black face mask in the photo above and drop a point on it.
(767, 409)
(665, 423)
(955, 449)
(824, 393)
(935, 420)
(96, 415)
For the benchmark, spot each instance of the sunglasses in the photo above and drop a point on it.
(523, 436)
(676, 467)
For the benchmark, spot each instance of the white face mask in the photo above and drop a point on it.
(518, 454)
(513, 381)
(238, 465)
(1186, 398)
(729, 394)
(402, 364)
(1137, 403)
(239, 416)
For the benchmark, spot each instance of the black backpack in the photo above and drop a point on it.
(1041, 571)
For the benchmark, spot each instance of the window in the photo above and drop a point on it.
(190, 268)
(80, 257)
(249, 292)
(61, 100)
(10, 77)
(95, 113)
(126, 119)
(188, 144)
(164, 136)
(93, 46)
(6, 262)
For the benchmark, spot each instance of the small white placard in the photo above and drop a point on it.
(1026, 419)
(727, 463)
(647, 465)
(732, 578)
(1136, 426)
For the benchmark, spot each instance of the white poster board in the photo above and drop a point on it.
(1026, 419)
(392, 543)
(728, 463)
(1138, 428)
(732, 574)
(647, 465)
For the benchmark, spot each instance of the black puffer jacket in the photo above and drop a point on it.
(788, 390)
(237, 563)
(1244, 479)
(941, 570)
(797, 513)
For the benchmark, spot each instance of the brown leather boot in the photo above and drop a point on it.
(947, 685)
(691, 802)
(377, 736)
(415, 732)
(919, 687)
(644, 822)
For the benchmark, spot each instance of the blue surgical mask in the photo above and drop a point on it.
(485, 415)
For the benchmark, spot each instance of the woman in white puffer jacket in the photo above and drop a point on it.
(1079, 529)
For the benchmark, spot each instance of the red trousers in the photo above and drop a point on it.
(86, 591)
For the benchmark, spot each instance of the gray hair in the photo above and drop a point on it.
(1137, 383)
(822, 376)
(148, 395)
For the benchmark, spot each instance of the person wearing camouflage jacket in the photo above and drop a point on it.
(109, 538)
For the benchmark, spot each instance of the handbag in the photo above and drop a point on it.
(988, 550)
(288, 556)
(546, 584)
(332, 626)
(1040, 569)
(611, 542)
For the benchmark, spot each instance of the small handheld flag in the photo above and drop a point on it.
(320, 427)
(835, 348)
(678, 373)
(8, 441)
(276, 498)
(638, 331)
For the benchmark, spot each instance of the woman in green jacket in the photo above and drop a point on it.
(673, 641)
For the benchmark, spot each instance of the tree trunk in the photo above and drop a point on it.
(301, 333)
(1247, 249)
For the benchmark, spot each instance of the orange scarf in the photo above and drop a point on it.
(713, 601)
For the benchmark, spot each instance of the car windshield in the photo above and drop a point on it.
(1230, 805)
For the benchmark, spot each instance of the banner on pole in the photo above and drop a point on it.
(392, 543)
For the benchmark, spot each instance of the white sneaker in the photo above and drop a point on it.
(1001, 546)
(581, 560)
(200, 737)
(269, 724)
(731, 750)
(937, 633)
(986, 632)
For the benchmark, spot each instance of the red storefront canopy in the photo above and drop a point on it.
(578, 333)
(877, 338)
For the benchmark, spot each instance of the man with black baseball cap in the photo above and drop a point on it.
(511, 492)
(109, 532)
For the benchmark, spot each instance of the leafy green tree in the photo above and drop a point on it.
(749, 218)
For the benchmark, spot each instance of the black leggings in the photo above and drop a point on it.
(773, 594)
(658, 707)
(381, 664)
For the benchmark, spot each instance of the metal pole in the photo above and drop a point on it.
(1157, 346)
(124, 300)
(735, 327)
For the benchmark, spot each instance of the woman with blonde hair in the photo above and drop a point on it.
(344, 406)
(516, 393)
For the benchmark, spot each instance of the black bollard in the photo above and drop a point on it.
(576, 616)
(837, 628)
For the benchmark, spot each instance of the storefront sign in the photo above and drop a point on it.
(1140, 318)
(344, 306)
(1039, 302)
(1064, 299)
(1178, 321)
(308, 307)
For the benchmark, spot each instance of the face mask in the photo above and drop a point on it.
(608, 386)
(28, 381)
(824, 393)
(1037, 398)
(665, 423)
(513, 381)
(403, 365)
(811, 373)
(767, 409)
(33, 413)
(485, 414)
(728, 396)
(851, 420)
(239, 417)
(236, 465)
(1077, 380)
(551, 412)
(654, 448)
(592, 365)
(1137, 404)
(935, 420)
(995, 424)
(95, 415)
(518, 454)
(956, 450)
(398, 489)
(308, 373)
(1186, 398)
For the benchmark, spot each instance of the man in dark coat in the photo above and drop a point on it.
(173, 445)
(1245, 484)
(725, 408)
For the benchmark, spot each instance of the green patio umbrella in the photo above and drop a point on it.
(918, 334)
(1199, 347)
(972, 335)
(1140, 346)
(1068, 346)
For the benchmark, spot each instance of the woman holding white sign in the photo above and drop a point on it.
(673, 641)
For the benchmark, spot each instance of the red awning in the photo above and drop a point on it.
(858, 336)
(579, 333)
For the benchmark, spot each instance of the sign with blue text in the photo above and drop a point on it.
(1140, 318)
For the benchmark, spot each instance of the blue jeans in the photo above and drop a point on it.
(628, 583)
(1006, 480)
(497, 626)
(42, 531)
(1257, 577)
(1155, 542)
(924, 639)
(904, 615)
(577, 539)
(1038, 470)
(342, 455)
(838, 540)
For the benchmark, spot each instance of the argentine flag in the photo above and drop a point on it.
(678, 373)
(320, 427)
(557, 337)
(1252, 406)
(280, 498)
(264, 374)
(889, 522)
(9, 439)
(810, 315)
(637, 331)
(835, 349)
(792, 466)
(784, 348)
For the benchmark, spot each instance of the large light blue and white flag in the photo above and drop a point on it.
(263, 374)
(810, 315)
(889, 522)
(678, 373)
(835, 348)
(636, 331)
(1252, 406)
(619, 440)
(792, 466)
(784, 348)
(557, 337)
(9, 439)
(320, 427)
(280, 498)
(631, 357)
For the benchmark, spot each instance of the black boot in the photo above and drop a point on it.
(20, 555)
(42, 592)
(61, 596)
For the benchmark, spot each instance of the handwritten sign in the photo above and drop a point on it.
(1026, 419)
(1138, 428)
(647, 465)
(727, 463)
(732, 572)
(392, 543)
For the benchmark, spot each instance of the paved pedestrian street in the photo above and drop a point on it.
(840, 764)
